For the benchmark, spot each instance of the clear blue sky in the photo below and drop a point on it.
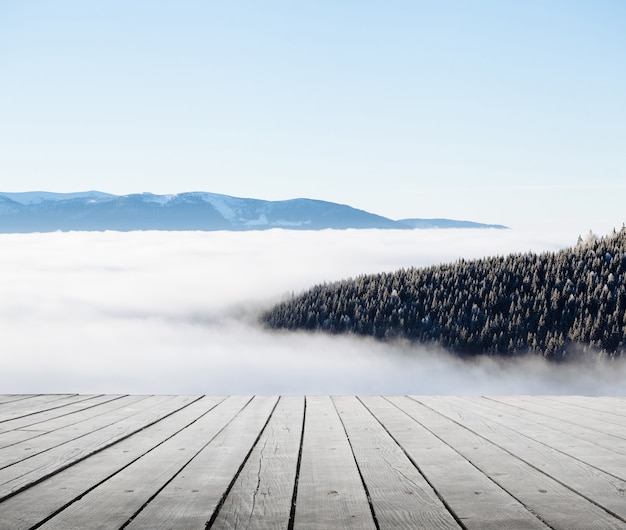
(498, 111)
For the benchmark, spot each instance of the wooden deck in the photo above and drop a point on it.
(193, 462)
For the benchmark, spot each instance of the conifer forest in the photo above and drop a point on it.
(555, 304)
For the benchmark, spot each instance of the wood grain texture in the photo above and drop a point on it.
(189, 500)
(261, 496)
(400, 495)
(584, 479)
(605, 423)
(32, 405)
(599, 451)
(470, 494)
(63, 423)
(62, 431)
(11, 398)
(330, 490)
(45, 463)
(535, 413)
(114, 502)
(50, 496)
(555, 504)
(586, 443)
(35, 422)
(94, 462)
(613, 405)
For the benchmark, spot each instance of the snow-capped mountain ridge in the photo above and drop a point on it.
(40, 211)
(37, 197)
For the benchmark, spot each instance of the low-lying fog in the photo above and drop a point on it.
(175, 312)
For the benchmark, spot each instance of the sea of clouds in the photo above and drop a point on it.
(177, 312)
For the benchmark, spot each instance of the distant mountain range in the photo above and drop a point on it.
(39, 211)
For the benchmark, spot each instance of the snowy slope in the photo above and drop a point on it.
(39, 211)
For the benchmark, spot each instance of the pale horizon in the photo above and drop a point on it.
(492, 112)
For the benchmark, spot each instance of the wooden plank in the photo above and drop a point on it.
(141, 471)
(330, 491)
(25, 472)
(78, 403)
(10, 398)
(538, 414)
(604, 404)
(41, 501)
(587, 441)
(61, 431)
(469, 494)
(261, 497)
(400, 495)
(553, 503)
(32, 405)
(604, 423)
(206, 479)
(587, 481)
(115, 502)
(589, 452)
(28, 427)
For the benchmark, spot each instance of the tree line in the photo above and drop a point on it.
(552, 303)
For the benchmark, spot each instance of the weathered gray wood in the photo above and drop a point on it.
(471, 495)
(48, 497)
(612, 405)
(25, 428)
(566, 429)
(261, 496)
(604, 423)
(32, 405)
(191, 498)
(552, 502)
(330, 491)
(114, 502)
(594, 442)
(589, 482)
(599, 455)
(400, 495)
(25, 472)
(179, 462)
(612, 410)
(10, 398)
(33, 421)
(61, 431)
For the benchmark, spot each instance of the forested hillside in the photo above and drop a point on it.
(552, 303)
